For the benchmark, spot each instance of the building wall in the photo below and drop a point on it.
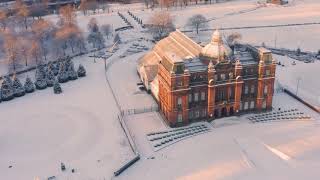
(183, 100)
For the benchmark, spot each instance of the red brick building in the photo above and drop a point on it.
(210, 82)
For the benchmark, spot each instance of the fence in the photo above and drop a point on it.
(258, 27)
(128, 112)
(316, 109)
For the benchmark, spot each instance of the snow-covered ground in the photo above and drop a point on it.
(301, 77)
(239, 150)
(80, 128)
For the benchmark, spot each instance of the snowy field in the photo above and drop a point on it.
(303, 75)
(239, 150)
(80, 128)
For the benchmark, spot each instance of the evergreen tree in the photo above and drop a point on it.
(50, 78)
(298, 52)
(117, 39)
(72, 74)
(18, 89)
(6, 89)
(56, 87)
(29, 86)
(41, 82)
(63, 75)
(53, 67)
(81, 71)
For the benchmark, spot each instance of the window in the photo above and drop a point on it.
(203, 96)
(245, 71)
(241, 106)
(230, 75)
(246, 105)
(196, 98)
(267, 72)
(204, 113)
(190, 114)
(190, 98)
(179, 103)
(216, 77)
(223, 77)
(180, 69)
(197, 114)
(264, 104)
(246, 89)
(252, 89)
(252, 105)
(223, 94)
(179, 82)
(265, 90)
(179, 118)
(232, 93)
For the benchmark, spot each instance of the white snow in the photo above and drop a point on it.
(80, 126)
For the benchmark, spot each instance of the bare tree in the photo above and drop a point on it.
(67, 15)
(3, 19)
(24, 48)
(104, 7)
(95, 37)
(22, 12)
(39, 9)
(10, 47)
(197, 21)
(43, 30)
(160, 24)
(233, 38)
(67, 36)
(87, 5)
(34, 51)
(106, 29)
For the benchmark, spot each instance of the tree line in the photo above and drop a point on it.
(25, 40)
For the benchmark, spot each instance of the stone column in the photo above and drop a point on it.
(238, 87)
(260, 87)
(211, 90)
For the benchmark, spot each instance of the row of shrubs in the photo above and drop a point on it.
(46, 76)
(137, 19)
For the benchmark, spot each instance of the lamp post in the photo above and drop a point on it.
(299, 79)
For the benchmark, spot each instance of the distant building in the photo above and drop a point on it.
(279, 2)
(193, 83)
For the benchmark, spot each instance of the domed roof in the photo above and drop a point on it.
(216, 49)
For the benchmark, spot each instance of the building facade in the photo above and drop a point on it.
(220, 82)
(217, 81)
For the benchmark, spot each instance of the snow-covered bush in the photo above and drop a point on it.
(18, 89)
(72, 74)
(41, 79)
(81, 71)
(63, 75)
(41, 83)
(29, 86)
(6, 89)
(56, 87)
(50, 78)
(53, 67)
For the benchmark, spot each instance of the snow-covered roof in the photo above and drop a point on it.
(216, 49)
